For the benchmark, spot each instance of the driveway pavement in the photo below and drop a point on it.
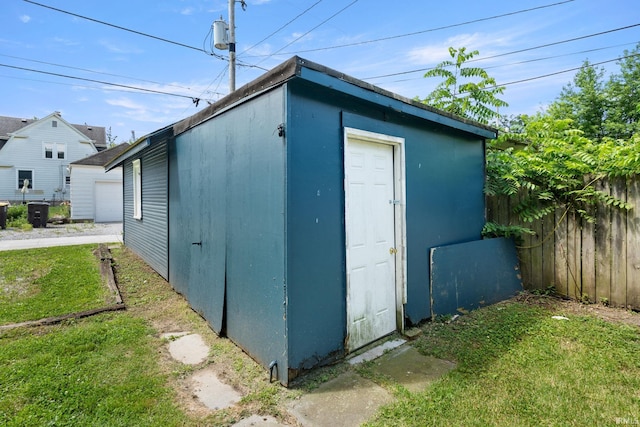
(60, 235)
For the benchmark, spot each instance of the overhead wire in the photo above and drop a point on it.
(194, 99)
(305, 34)
(512, 52)
(92, 71)
(422, 31)
(281, 27)
(563, 71)
(534, 60)
(125, 29)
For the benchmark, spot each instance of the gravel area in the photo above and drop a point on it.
(62, 230)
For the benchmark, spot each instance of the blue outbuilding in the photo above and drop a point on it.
(298, 214)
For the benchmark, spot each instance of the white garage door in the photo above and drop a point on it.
(108, 201)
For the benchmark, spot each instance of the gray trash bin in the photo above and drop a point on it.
(37, 214)
(3, 215)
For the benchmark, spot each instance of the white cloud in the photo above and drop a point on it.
(126, 103)
(187, 11)
(25, 18)
(438, 52)
(65, 42)
(113, 48)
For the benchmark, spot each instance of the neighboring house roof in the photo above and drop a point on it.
(9, 125)
(103, 157)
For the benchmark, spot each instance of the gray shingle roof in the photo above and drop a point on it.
(103, 157)
(12, 124)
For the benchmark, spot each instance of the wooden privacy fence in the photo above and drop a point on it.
(590, 262)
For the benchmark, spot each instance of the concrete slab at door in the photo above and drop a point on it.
(370, 235)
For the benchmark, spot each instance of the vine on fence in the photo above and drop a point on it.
(558, 167)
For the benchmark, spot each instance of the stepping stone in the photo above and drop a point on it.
(213, 393)
(258, 421)
(189, 349)
(345, 401)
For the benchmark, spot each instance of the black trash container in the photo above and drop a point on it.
(37, 214)
(3, 215)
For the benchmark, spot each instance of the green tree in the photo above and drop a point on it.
(465, 91)
(584, 102)
(623, 93)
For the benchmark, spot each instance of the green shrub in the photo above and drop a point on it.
(16, 212)
(17, 216)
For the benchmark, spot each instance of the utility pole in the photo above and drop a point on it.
(224, 37)
(232, 44)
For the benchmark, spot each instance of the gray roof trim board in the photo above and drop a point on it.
(324, 76)
(101, 158)
(311, 71)
(139, 145)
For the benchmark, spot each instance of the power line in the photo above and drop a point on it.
(321, 23)
(92, 71)
(563, 71)
(512, 52)
(195, 100)
(423, 31)
(282, 27)
(536, 59)
(125, 29)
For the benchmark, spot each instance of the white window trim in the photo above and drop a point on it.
(56, 148)
(31, 182)
(44, 150)
(61, 148)
(137, 189)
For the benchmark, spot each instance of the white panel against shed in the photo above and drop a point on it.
(108, 201)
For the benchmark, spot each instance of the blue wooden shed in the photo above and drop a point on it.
(298, 213)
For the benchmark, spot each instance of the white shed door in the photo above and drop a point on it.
(108, 201)
(370, 242)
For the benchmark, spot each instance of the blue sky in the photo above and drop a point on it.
(381, 42)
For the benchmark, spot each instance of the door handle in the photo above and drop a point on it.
(393, 251)
(197, 243)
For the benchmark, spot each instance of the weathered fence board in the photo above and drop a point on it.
(633, 245)
(595, 262)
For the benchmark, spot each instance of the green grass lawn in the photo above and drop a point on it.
(113, 369)
(517, 366)
(39, 283)
(101, 371)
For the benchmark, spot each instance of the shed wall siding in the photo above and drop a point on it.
(148, 237)
(444, 205)
(227, 193)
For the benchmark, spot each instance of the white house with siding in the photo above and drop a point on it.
(96, 195)
(41, 151)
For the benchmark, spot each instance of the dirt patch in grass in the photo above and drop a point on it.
(570, 307)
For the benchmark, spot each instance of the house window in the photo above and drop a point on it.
(137, 190)
(54, 123)
(25, 174)
(67, 180)
(54, 151)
